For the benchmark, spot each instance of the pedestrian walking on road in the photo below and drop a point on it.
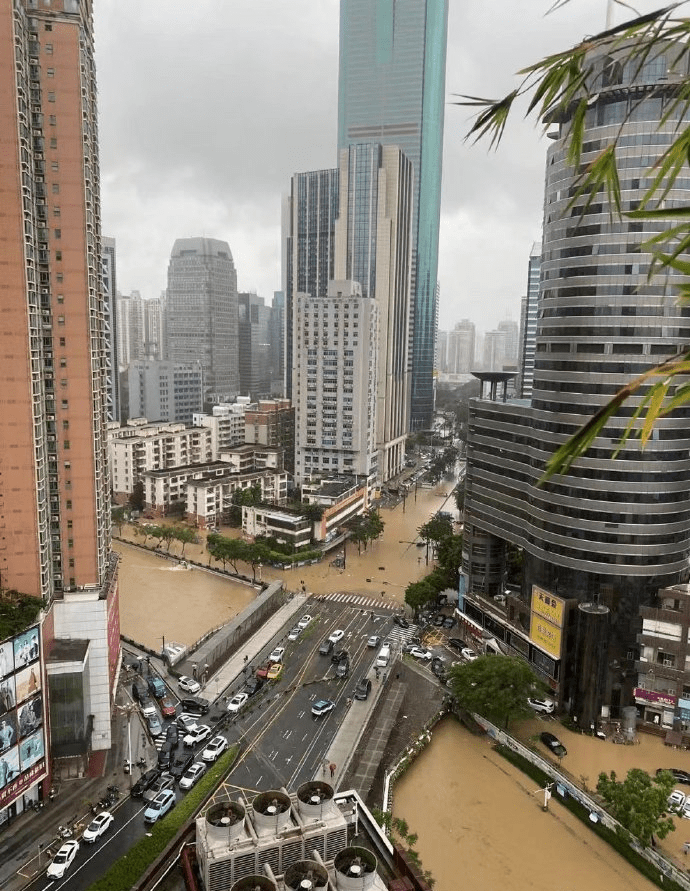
(332, 769)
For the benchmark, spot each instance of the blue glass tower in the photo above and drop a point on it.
(391, 91)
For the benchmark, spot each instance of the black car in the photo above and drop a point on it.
(252, 686)
(401, 621)
(449, 622)
(456, 643)
(342, 669)
(326, 647)
(363, 689)
(194, 705)
(339, 655)
(554, 744)
(437, 621)
(680, 776)
(172, 733)
(181, 765)
(145, 781)
(140, 689)
(438, 666)
(165, 754)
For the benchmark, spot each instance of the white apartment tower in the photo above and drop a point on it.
(335, 357)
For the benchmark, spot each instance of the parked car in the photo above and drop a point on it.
(295, 633)
(274, 671)
(237, 701)
(543, 706)
(401, 621)
(252, 686)
(165, 754)
(172, 733)
(339, 655)
(262, 670)
(195, 705)
(363, 689)
(682, 776)
(147, 706)
(159, 806)
(145, 781)
(63, 860)
(304, 621)
(468, 654)
(336, 635)
(438, 666)
(162, 783)
(277, 654)
(187, 722)
(192, 775)
(188, 685)
(554, 744)
(167, 706)
(326, 647)
(181, 765)
(437, 620)
(215, 748)
(449, 622)
(421, 653)
(196, 736)
(456, 643)
(686, 809)
(156, 686)
(322, 707)
(374, 640)
(676, 801)
(97, 827)
(154, 724)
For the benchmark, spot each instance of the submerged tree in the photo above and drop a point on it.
(639, 802)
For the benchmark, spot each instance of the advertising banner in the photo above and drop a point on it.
(546, 636)
(548, 606)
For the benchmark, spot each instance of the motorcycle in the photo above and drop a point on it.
(65, 832)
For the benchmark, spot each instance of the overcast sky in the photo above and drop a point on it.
(207, 107)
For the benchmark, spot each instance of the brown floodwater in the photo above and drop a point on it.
(481, 826)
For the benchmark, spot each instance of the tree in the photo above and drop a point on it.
(374, 524)
(562, 87)
(313, 512)
(397, 828)
(418, 594)
(436, 530)
(256, 554)
(136, 499)
(495, 687)
(449, 559)
(119, 518)
(184, 535)
(357, 531)
(639, 802)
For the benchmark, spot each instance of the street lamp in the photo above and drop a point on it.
(128, 709)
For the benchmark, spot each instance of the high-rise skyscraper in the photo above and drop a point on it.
(528, 322)
(54, 483)
(308, 237)
(372, 247)
(608, 532)
(254, 346)
(109, 293)
(202, 313)
(391, 91)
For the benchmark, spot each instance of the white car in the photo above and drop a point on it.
(303, 622)
(468, 654)
(63, 860)
(197, 735)
(322, 707)
(374, 640)
(676, 801)
(337, 635)
(277, 654)
(544, 706)
(686, 809)
(237, 701)
(421, 653)
(97, 826)
(215, 748)
(187, 722)
(189, 685)
(295, 633)
(192, 775)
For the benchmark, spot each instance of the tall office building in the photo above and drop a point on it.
(609, 532)
(309, 219)
(334, 384)
(109, 267)
(460, 348)
(276, 337)
(373, 247)
(254, 346)
(511, 331)
(54, 483)
(528, 322)
(202, 313)
(391, 91)
(130, 328)
(155, 327)
(164, 391)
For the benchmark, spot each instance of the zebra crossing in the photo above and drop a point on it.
(357, 600)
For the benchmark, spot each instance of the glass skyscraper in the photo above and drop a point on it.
(391, 91)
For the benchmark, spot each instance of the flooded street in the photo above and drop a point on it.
(481, 826)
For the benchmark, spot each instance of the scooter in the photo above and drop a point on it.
(65, 832)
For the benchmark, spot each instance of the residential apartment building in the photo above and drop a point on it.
(165, 391)
(226, 423)
(202, 313)
(391, 90)
(271, 422)
(54, 487)
(109, 273)
(334, 383)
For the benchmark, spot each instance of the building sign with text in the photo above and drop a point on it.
(546, 621)
(654, 698)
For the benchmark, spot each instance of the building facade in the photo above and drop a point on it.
(165, 391)
(54, 486)
(254, 346)
(109, 267)
(528, 323)
(391, 90)
(271, 422)
(202, 314)
(609, 532)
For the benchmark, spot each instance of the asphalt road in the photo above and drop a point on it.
(283, 744)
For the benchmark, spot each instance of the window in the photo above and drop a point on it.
(65, 404)
(59, 277)
(56, 211)
(62, 341)
(54, 165)
(57, 233)
(51, 97)
(67, 444)
(56, 188)
(68, 504)
(52, 120)
(49, 49)
(50, 72)
(61, 320)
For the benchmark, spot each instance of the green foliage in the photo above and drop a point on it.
(436, 529)
(561, 87)
(397, 829)
(313, 512)
(495, 687)
(639, 802)
(365, 527)
(119, 517)
(418, 594)
(449, 559)
(17, 612)
(136, 499)
(128, 870)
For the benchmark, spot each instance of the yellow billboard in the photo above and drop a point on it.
(546, 636)
(547, 606)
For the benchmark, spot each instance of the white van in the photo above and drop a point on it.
(383, 657)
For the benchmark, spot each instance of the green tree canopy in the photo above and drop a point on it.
(639, 802)
(119, 517)
(418, 594)
(495, 687)
(436, 530)
(136, 499)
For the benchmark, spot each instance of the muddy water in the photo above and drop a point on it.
(158, 598)
(480, 826)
